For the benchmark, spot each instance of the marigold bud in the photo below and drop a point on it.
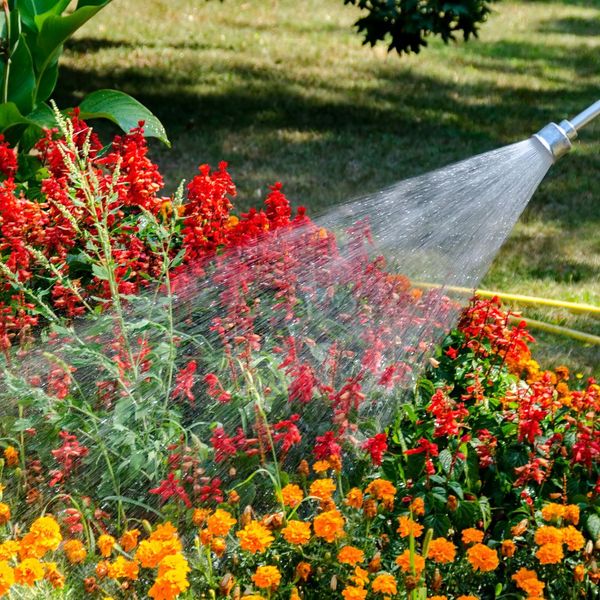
(247, 516)
(90, 585)
(147, 527)
(333, 583)
(375, 564)
(452, 503)
(411, 582)
(508, 548)
(579, 573)
(234, 497)
(519, 528)
(226, 584)
(436, 584)
(370, 508)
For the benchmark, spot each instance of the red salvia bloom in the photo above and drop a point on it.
(170, 488)
(376, 447)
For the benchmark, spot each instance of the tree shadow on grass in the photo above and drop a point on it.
(586, 27)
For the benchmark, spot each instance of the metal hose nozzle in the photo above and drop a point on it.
(556, 139)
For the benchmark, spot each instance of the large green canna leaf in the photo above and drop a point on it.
(34, 12)
(122, 109)
(21, 82)
(10, 116)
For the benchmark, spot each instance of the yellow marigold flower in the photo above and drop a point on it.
(28, 571)
(121, 568)
(7, 577)
(9, 549)
(294, 595)
(54, 576)
(176, 563)
(129, 539)
(437, 597)
(527, 580)
(255, 537)
(354, 593)
(547, 534)
(417, 507)
(296, 532)
(572, 514)
(351, 555)
(172, 578)
(220, 522)
(292, 495)
(508, 548)
(553, 512)
(441, 550)
(354, 498)
(382, 490)
(321, 466)
(11, 456)
(482, 558)
(385, 584)
(403, 561)
(329, 525)
(253, 597)
(44, 536)
(303, 570)
(322, 488)
(267, 577)
(550, 553)
(105, 545)
(472, 536)
(409, 527)
(360, 577)
(572, 538)
(199, 516)
(75, 551)
(4, 513)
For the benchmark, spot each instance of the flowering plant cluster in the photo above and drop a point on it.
(205, 404)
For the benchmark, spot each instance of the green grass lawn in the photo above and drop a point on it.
(284, 90)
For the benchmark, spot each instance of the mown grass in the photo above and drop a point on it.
(285, 91)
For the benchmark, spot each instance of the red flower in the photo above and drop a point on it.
(170, 487)
(185, 381)
(326, 445)
(69, 457)
(376, 447)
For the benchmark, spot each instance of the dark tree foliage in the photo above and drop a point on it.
(407, 23)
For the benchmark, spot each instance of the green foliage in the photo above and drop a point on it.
(33, 34)
(407, 23)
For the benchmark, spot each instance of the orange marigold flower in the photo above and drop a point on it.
(7, 577)
(409, 527)
(403, 561)
(550, 554)
(220, 522)
(547, 534)
(296, 532)
(482, 558)
(382, 490)
(553, 511)
(321, 466)
(255, 537)
(437, 597)
(572, 513)
(253, 597)
(370, 508)
(350, 555)
(441, 550)
(11, 456)
(354, 593)
(4, 513)
(527, 580)
(101, 569)
(267, 577)
(129, 539)
(28, 571)
(508, 548)
(322, 488)
(218, 546)
(199, 516)
(335, 462)
(360, 577)
(164, 532)
(572, 538)
(417, 507)
(121, 568)
(354, 498)
(579, 573)
(303, 570)
(468, 597)
(44, 536)
(385, 584)
(151, 552)
(172, 578)
(294, 594)
(105, 544)
(472, 536)
(292, 495)
(54, 576)
(329, 525)
(75, 551)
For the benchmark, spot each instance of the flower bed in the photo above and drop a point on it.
(200, 404)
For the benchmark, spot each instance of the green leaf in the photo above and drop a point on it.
(125, 111)
(21, 80)
(593, 526)
(34, 12)
(445, 459)
(10, 116)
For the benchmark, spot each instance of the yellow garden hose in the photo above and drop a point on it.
(587, 338)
